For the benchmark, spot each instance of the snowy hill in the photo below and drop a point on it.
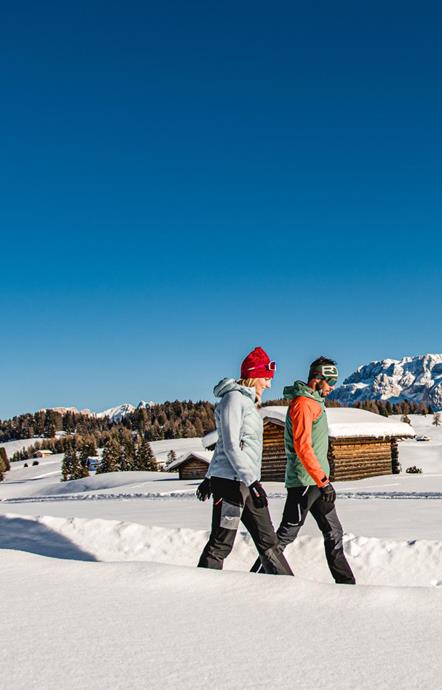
(411, 378)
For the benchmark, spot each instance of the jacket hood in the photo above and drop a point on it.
(300, 388)
(228, 385)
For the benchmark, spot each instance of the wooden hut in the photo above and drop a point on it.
(192, 465)
(42, 453)
(362, 444)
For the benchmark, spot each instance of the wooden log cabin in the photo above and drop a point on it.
(192, 465)
(361, 444)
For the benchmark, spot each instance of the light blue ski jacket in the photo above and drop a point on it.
(238, 451)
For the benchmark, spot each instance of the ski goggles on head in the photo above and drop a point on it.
(325, 372)
(271, 366)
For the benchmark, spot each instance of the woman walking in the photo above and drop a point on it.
(235, 470)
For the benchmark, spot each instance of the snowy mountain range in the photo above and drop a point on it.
(64, 410)
(411, 378)
(115, 414)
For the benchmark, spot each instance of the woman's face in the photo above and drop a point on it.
(261, 385)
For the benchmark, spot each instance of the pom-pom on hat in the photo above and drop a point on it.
(257, 365)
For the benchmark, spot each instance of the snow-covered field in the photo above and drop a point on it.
(13, 446)
(100, 586)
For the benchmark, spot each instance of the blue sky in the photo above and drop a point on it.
(184, 181)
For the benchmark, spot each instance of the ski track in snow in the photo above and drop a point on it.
(101, 497)
(360, 495)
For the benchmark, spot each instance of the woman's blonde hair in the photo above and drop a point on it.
(250, 383)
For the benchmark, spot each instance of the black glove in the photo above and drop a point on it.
(204, 491)
(259, 496)
(328, 493)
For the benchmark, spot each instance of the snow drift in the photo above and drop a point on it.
(374, 561)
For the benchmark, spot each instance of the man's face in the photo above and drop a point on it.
(325, 388)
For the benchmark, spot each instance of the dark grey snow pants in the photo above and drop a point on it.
(232, 504)
(299, 502)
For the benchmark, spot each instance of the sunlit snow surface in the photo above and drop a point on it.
(102, 587)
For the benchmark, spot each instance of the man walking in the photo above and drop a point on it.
(307, 471)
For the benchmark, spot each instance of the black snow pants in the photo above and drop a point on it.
(299, 502)
(232, 504)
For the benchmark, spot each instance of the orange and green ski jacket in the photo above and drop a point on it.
(305, 437)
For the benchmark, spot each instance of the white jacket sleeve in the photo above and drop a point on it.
(231, 424)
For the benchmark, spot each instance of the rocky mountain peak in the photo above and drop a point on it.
(417, 378)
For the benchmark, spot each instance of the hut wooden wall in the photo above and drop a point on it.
(358, 458)
(349, 458)
(273, 455)
(193, 469)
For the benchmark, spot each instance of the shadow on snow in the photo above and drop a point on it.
(26, 535)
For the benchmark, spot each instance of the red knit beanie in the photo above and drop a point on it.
(257, 365)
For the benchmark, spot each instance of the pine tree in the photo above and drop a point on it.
(188, 430)
(71, 466)
(436, 419)
(405, 419)
(110, 461)
(67, 464)
(199, 429)
(127, 454)
(171, 457)
(144, 460)
(76, 467)
(141, 421)
(406, 409)
(156, 432)
(87, 447)
(127, 459)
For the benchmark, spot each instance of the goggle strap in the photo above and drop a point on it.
(271, 366)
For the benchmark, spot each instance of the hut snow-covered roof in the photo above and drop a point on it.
(343, 422)
(350, 422)
(203, 455)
